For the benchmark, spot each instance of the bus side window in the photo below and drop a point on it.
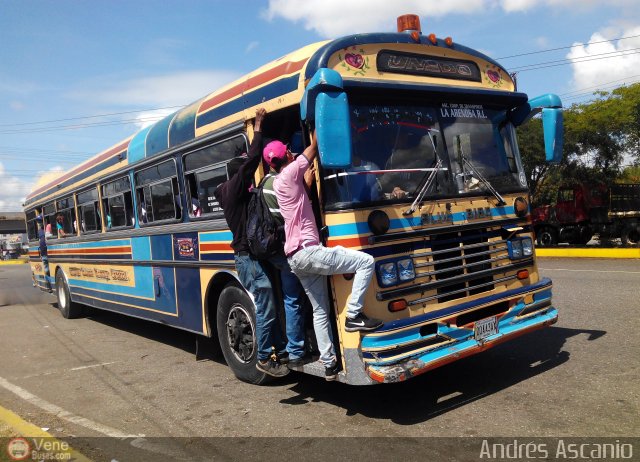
(49, 213)
(117, 203)
(66, 222)
(157, 193)
(204, 170)
(32, 227)
(89, 211)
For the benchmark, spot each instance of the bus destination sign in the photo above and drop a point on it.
(429, 66)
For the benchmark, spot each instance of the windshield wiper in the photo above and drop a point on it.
(489, 186)
(424, 187)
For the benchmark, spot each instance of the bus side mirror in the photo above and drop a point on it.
(325, 103)
(552, 126)
(552, 122)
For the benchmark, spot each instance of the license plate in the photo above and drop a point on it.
(485, 328)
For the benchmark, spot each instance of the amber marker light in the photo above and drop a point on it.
(433, 39)
(522, 274)
(449, 41)
(397, 305)
(409, 22)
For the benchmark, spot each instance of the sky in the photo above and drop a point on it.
(77, 76)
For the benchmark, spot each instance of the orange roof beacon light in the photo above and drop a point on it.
(410, 23)
(448, 41)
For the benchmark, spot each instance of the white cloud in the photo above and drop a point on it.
(523, 5)
(601, 63)
(13, 191)
(144, 119)
(176, 89)
(332, 18)
(252, 46)
(16, 105)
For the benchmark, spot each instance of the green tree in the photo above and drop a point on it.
(598, 135)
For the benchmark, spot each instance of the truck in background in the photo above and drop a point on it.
(12, 246)
(584, 210)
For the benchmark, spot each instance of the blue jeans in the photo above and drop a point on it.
(292, 293)
(311, 265)
(255, 280)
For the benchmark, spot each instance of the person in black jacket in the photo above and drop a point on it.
(233, 196)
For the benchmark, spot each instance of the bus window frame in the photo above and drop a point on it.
(173, 180)
(122, 193)
(32, 222)
(222, 164)
(64, 212)
(96, 206)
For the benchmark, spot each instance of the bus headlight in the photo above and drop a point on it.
(515, 249)
(406, 272)
(520, 248)
(387, 274)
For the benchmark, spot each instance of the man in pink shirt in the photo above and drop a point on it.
(311, 261)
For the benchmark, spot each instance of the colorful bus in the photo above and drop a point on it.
(418, 167)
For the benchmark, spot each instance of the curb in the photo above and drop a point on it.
(13, 262)
(589, 253)
(28, 430)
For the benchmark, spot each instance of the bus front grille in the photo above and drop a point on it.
(458, 253)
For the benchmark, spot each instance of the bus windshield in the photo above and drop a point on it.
(397, 147)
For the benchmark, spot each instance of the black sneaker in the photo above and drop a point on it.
(361, 323)
(272, 368)
(283, 358)
(331, 373)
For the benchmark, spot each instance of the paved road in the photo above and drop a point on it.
(113, 375)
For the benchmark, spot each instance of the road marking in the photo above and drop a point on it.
(587, 270)
(136, 441)
(61, 413)
(27, 429)
(90, 366)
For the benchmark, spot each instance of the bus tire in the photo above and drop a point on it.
(547, 236)
(236, 321)
(67, 307)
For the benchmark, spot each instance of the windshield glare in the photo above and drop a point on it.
(395, 149)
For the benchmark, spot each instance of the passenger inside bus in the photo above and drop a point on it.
(411, 151)
(60, 225)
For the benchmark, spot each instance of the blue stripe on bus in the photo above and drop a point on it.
(216, 236)
(93, 256)
(266, 93)
(349, 229)
(217, 257)
(91, 245)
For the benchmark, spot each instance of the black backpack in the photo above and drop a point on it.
(265, 234)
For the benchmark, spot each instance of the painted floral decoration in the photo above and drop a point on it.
(354, 61)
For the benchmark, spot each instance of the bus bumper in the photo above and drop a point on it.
(457, 343)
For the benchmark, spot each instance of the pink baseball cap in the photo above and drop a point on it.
(274, 150)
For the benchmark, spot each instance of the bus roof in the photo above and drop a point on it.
(275, 85)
